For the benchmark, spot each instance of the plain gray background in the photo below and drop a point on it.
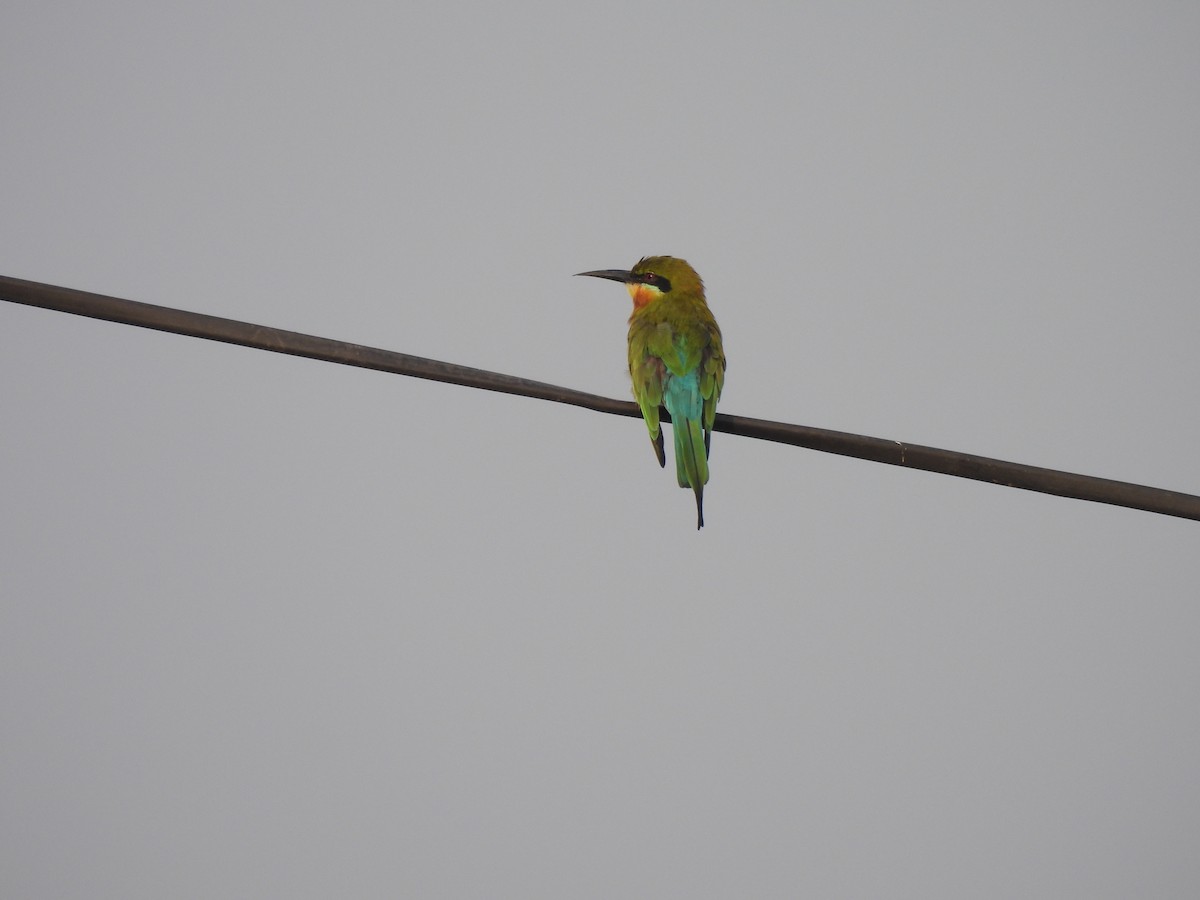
(277, 628)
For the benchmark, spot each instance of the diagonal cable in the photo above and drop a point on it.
(895, 453)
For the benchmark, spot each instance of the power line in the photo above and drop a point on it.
(895, 453)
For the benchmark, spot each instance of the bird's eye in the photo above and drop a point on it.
(650, 278)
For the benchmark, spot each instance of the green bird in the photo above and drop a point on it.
(675, 360)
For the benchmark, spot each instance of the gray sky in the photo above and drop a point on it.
(276, 628)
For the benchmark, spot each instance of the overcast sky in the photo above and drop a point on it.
(277, 628)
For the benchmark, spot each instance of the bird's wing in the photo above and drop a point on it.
(712, 378)
(647, 372)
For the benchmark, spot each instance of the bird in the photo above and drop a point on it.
(676, 360)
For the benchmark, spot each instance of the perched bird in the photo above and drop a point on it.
(675, 360)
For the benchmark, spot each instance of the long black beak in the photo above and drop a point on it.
(622, 275)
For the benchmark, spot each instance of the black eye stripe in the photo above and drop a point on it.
(656, 280)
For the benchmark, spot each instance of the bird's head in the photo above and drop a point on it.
(654, 277)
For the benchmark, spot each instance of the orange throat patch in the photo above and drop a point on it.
(642, 293)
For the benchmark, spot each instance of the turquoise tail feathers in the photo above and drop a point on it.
(691, 464)
(682, 399)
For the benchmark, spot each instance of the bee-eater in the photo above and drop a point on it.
(675, 360)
